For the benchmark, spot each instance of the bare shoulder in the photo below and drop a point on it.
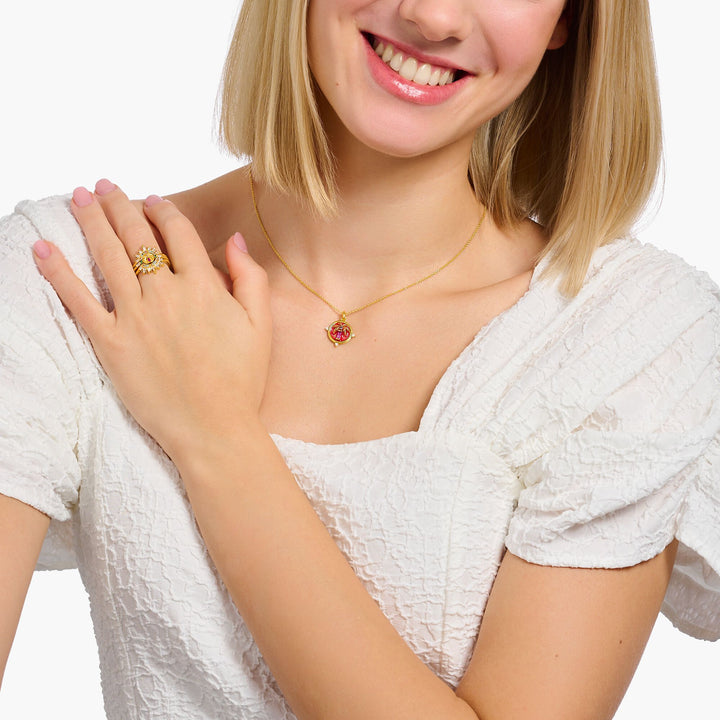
(513, 250)
(217, 208)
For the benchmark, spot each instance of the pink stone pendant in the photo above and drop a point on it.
(340, 331)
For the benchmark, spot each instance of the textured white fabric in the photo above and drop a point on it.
(577, 432)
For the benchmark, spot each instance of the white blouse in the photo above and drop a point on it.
(574, 432)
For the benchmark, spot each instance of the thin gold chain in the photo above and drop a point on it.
(345, 313)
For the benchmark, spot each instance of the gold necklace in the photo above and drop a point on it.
(340, 332)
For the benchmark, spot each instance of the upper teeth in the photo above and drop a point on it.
(410, 68)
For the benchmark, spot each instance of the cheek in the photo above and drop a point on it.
(520, 41)
(319, 48)
(327, 20)
(314, 30)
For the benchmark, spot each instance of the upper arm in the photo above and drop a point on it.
(22, 530)
(47, 370)
(563, 643)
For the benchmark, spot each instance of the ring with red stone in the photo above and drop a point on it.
(150, 260)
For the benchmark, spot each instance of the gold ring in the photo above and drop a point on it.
(150, 260)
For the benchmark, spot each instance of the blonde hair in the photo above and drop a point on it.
(578, 151)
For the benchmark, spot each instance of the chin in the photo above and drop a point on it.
(398, 147)
(391, 131)
(408, 140)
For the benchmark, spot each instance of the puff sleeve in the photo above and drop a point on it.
(44, 377)
(642, 469)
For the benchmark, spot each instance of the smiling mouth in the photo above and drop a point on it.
(410, 68)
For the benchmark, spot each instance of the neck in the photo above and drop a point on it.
(398, 218)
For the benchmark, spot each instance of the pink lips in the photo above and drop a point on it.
(398, 86)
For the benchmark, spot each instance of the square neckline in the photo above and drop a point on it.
(478, 338)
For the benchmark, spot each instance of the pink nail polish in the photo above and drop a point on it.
(42, 249)
(104, 186)
(153, 200)
(239, 241)
(82, 197)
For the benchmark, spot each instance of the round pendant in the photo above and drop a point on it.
(340, 332)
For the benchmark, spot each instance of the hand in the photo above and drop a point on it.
(188, 358)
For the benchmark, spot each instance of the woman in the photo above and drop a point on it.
(420, 496)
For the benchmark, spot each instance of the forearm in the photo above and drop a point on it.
(332, 651)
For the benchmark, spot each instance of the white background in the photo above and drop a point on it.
(126, 90)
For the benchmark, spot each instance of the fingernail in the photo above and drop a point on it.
(82, 197)
(104, 186)
(153, 200)
(239, 241)
(42, 249)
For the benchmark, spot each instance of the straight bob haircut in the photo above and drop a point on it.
(578, 151)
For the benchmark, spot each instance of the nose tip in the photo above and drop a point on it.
(437, 20)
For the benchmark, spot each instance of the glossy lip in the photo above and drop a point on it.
(407, 90)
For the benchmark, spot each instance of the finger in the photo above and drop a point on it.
(183, 243)
(249, 281)
(129, 224)
(224, 279)
(105, 246)
(73, 292)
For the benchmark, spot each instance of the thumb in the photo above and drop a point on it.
(249, 280)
